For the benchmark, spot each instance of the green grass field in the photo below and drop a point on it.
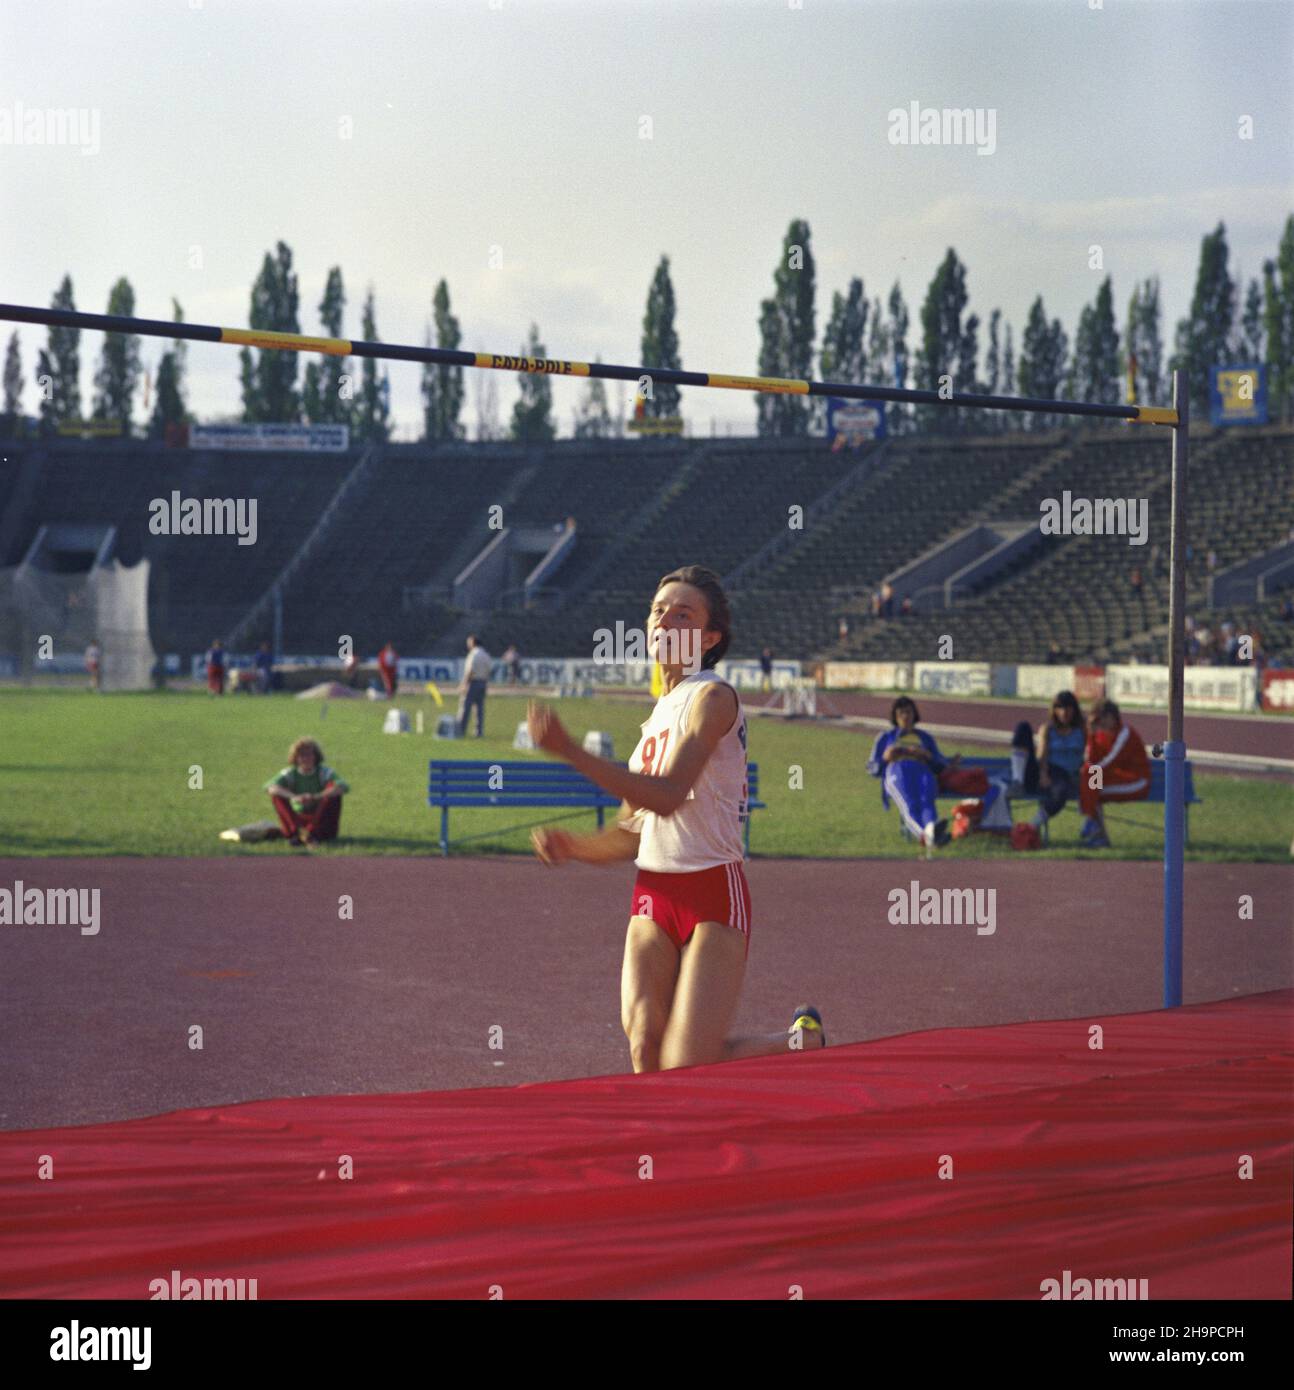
(109, 774)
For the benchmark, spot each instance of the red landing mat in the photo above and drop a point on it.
(818, 1172)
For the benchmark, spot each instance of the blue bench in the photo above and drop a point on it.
(999, 769)
(486, 783)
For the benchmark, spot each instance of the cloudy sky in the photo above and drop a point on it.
(403, 141)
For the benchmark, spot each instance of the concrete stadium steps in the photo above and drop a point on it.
(424, 513)
(925, 490)
(398, 531)
(1241, 496)
(644, 506)
(1079, 592)
(736, 498)
(199, 583)
(606, 486)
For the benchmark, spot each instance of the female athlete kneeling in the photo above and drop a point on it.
(681, 820)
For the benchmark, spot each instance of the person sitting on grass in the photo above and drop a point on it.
(307, 795)
(1116, 748)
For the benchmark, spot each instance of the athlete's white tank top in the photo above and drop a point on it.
(706, 830)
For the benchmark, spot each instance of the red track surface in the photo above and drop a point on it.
(294, 1001)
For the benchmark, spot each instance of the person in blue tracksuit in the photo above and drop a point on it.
(908, 762)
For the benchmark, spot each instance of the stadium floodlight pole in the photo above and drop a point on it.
(1175, 748)
(665, 376)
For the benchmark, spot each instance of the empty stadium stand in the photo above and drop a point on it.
(806, 536)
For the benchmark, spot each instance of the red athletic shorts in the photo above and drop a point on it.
(677, 902)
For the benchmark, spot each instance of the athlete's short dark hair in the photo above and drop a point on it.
(720, 621)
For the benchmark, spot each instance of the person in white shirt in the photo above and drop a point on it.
(471, 689)
(93, 662)
(681, 820)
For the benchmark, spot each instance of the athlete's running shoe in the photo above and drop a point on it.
(810, 1020)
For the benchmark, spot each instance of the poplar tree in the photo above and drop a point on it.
(269, 377)
(373, 408)
(660, 343)
(898, 335)
(1204, 338)
(1278, 323)
(13, 377)
(786, 326)
(58, 368)
(119, 364)
(1094, 373)
(941, 352)
(322, 400)
(592, 418)
(844, 351)
(532, 414)
(168, 404)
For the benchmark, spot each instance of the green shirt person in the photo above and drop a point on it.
(307, 795)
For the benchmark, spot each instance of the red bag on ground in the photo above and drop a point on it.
(1025, 836)
(964, 781)
(966, 816)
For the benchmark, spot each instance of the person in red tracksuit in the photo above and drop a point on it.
(388, 663)
(215, 660)
(1116, 748)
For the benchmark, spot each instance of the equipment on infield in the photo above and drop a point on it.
(254, 833)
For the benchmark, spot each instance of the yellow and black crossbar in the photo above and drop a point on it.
(344, 347)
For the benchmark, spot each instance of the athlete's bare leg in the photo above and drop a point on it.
(647, 986)
(705, 1002)
(709, 986)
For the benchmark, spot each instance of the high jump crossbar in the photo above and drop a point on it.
(1176, 416)
(449, 357)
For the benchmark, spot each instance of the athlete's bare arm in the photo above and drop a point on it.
(557, 846)
(713, 714)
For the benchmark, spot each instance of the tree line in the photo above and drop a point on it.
(864, 341)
